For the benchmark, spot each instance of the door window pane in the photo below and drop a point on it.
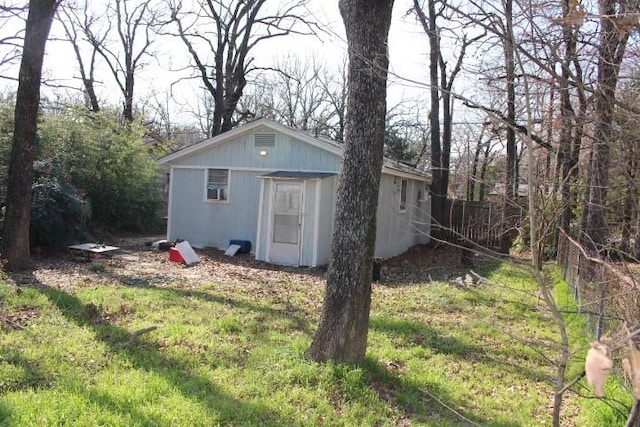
(287, 214)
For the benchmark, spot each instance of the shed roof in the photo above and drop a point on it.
(389, 166)
(298, 175)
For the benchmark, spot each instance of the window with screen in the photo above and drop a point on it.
(218, 184)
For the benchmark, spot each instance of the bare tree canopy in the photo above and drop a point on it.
(121, 33)
(220, 36)
(12, 37)
(303, 93)
(78, 30)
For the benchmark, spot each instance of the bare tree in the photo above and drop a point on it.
(568, 149)
(220, 36)
(20, 175)
(12, 24)
(303, 94)
(77, 26)
(438, 190)
(488, 137)
(334, 87)
(123, 39)
(408, 133)
(626, 167)
(615, 27)
(441, 81)
(344, 322)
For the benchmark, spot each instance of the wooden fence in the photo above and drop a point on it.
(605, 294)
(482, 223)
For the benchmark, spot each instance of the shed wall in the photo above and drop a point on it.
(287, 154)
(325, 218)
(206, 223)
(397, 231)
(213, 224)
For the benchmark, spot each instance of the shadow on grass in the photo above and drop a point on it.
(289, 311)
(118, 406)
(422, 403)
(149, 357)
(5, 414)
(34, 378)
(414, 334)
(32, 375)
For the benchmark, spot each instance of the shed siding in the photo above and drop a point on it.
(395, 231)
(422, 214)
(325, 220)
(205, 223)
(265, 220)
(288, 154)
(210, 224)
(309, 205)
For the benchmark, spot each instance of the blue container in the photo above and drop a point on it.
(245, 245)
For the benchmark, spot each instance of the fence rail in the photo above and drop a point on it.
(606, 295)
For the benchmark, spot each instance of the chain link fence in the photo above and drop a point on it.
(607, 296)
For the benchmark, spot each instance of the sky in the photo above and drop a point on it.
(408, 44)
(408, 47)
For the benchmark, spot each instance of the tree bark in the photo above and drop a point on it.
(438, 193)
(438, 188)
(613, 41)
(567, 119)
(511, 185)
(20, 174)
(344, 322)
(634, 416)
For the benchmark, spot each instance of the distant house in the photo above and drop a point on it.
(276, 187)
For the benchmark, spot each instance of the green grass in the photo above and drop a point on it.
(438, 355)
(612, 411)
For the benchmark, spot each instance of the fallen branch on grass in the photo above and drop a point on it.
(4, 319)
(134, 336)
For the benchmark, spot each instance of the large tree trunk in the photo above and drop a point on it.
(438, 193)
(567, 120)
(127, 109)
(511, 185)
(344, 322)
(438, 188)
(613, 41)
(631, 196)
(20, 175)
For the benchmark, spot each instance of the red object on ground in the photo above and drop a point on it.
(174, 255)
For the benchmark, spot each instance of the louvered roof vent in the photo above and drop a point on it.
(264, 140)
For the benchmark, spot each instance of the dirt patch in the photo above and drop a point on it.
(137, 264)
(19, 319)
(425, 263)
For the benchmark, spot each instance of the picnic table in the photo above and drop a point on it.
(93, 250)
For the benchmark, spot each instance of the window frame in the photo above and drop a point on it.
(404, 192)
(226, 188)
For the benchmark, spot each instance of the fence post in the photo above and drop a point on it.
(489, 234)
(463, 228)
(601, 304)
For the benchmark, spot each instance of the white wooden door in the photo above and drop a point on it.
(286, 223)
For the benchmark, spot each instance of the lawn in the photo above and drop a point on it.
(223, 344)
